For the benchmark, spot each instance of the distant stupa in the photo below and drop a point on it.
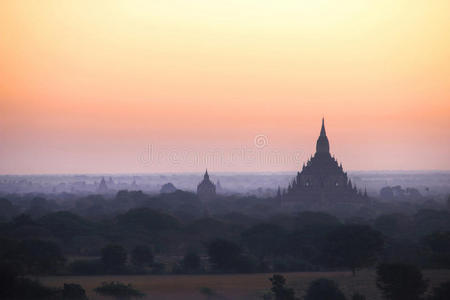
(322, 178)
(102, 187)
(219, 188)
(168, 188)
(134, 186)
(206, 189)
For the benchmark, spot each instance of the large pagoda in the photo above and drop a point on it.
(322, 179)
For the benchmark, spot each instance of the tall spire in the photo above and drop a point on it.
(322, 130)
(206, 175)
(322, 145)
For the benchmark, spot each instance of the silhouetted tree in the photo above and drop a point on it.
(142, 255)
(23, 219)
(6, 208)
(322, 288)
(400, 281)
(224, 255)
(441, 292)
(353, 246)
(26, 288)
(73, 291)
(264, 240)
(8, 276)
(279, 290)
(438, 244)
(393, 225)
(39, 257)
(145, 219)
(358, 296)
(428, 221)
(191, 262)
(315, 221)
(65, 225)
(114, 257)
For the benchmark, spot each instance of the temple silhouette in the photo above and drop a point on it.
(322, 179)
(206, 190)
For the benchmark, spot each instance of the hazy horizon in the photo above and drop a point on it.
(216, 172)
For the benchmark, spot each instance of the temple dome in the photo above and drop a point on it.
(206, 189)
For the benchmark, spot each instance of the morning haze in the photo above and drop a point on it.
(277, 150)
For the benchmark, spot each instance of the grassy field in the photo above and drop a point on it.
(240, 286)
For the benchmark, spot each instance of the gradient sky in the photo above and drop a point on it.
(95, 86)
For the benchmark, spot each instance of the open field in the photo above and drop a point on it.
(239, 286)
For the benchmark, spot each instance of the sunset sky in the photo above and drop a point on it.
(95, 86)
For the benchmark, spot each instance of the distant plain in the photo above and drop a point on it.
(233, 286)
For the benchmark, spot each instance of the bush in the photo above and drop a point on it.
(321, 289)
(279, 290)
(208, 292)
(118, 290)
(400, 281)
(73, 291)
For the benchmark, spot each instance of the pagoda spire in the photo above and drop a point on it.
(322, 145)
(322, 130)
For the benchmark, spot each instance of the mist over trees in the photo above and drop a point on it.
(132, 232)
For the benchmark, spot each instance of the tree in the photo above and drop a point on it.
(264, 240)
(146, 219)
(358, 296)
(6, 208)
(314, 221)
(224, 255)
(73, 291)
(439, 245)
(427, 221)
(191, 262)
(279, 290)
(65, 225)
(393, 225)
(442, 292)
(114, 257)
(142, 255)
(8, 277)
(26, 288)
(353, 246)
(22, 220)
(39, 257)
(323, 289)
(400, 281)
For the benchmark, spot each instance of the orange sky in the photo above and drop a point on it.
(90, 86)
